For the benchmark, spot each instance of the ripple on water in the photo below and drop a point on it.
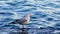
(41, 14)
(6, 13)
(16, 3)
(50, 4)
(57, 12)
(50, 19)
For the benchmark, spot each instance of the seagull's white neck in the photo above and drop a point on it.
(27, 17)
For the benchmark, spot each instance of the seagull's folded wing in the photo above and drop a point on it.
(22, 21)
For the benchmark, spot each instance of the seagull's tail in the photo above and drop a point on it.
(14, 22)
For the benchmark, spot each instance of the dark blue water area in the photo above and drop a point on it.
(52, 5)
(6, 13)
(16, 3)
(44, 19)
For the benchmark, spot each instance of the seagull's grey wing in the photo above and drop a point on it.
(22, 21)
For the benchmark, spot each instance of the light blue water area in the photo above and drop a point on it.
(45, 16)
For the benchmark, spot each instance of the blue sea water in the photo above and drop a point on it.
(45, 16)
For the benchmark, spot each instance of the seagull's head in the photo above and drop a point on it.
(28, 14)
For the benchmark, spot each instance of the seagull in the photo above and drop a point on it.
(22, 21)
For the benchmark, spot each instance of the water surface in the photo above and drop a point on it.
(45, 16)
